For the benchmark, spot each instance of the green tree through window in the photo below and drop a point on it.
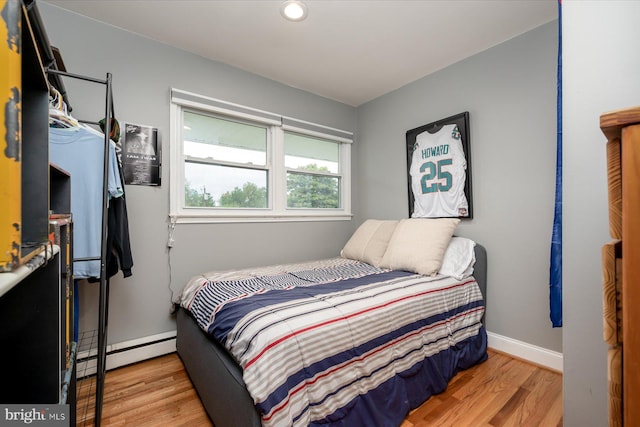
(195, 198)
(250, 196)
(305, 190)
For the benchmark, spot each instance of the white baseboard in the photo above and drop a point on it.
(128, 352)
(532, 353)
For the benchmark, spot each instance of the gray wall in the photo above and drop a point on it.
(601, 73)
(143, 72)
(510, 93)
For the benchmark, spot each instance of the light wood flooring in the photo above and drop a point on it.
(502, 391)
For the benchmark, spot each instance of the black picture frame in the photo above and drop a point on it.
(462, 121)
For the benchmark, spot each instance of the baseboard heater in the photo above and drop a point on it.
(121, 354)
(128, 352)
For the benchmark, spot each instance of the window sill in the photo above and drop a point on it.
(186, 218)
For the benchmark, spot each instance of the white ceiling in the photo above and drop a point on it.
(348, 50)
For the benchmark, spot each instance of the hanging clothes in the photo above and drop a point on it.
(119, 256)
(555, 268)
(80, 151)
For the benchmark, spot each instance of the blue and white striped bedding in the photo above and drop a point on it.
(339, 342)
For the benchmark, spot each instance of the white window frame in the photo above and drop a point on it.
(277, 209)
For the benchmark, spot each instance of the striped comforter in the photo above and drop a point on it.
(339, 342)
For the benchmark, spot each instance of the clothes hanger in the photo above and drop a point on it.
(434, 128)
(59, 116)
(55, 98)
(62, 119)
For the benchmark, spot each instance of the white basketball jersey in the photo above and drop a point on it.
(438, 173)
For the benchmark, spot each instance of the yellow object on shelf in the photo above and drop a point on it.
(10, 134)
(24, 139)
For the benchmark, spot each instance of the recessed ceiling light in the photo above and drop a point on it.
(293, 10)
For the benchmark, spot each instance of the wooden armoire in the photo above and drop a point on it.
(621, 265)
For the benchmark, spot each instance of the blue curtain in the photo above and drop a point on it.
(555, 283)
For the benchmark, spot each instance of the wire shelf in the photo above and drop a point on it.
(86, 363)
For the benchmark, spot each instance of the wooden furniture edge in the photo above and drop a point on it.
(612, 122)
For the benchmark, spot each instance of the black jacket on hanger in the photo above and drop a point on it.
(119, 256)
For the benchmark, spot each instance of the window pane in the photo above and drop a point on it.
(312, 191)
(224, 186)
(313, 154)
(212, 138)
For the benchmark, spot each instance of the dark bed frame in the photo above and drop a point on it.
(218, 378)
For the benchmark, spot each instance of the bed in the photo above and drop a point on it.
(355, 340)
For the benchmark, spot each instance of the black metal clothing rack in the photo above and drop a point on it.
(103, 304)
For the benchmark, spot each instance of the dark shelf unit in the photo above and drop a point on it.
(29, 313)
(33, 308)
(60, 187)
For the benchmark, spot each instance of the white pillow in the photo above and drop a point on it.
(419, 244)
(369, 242)
(459, 258)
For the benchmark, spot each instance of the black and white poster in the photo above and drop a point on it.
(142, 155)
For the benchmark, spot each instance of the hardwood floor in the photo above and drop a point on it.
(155, 392)
(502, 391)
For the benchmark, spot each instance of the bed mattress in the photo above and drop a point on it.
(336, 342)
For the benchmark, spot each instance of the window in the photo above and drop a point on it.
(313, 172)
(225, 162)
(235, 163)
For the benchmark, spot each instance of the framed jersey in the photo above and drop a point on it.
(439, 169)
